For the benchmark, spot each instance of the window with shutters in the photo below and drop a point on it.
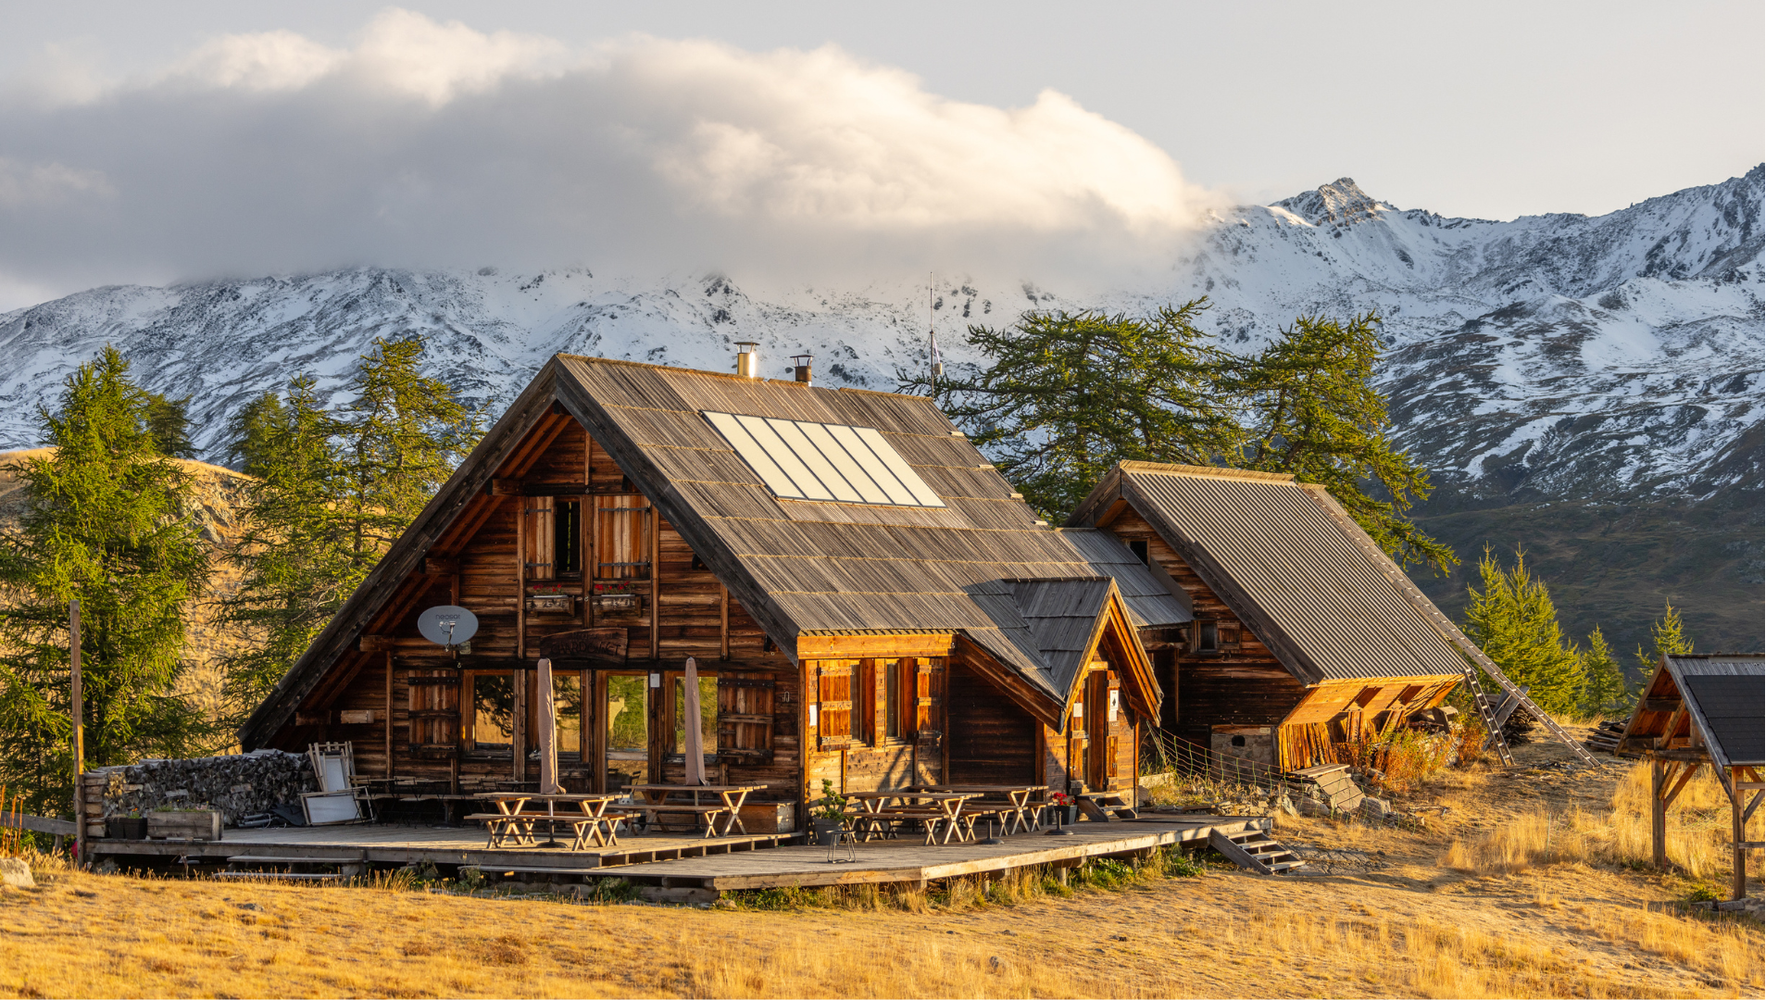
(566, 533)
(744, 717)
(537, 530)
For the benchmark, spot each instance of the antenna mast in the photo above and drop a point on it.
(938, 366)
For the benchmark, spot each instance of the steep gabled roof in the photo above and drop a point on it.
(1725, 695)
(1286, 557)
(797, 566)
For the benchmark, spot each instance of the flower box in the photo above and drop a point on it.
(185, 824)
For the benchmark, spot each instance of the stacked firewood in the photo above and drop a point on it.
(1605, 736)
(1515, 727)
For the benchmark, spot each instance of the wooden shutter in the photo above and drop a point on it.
(539, 541)
(744, 717)
(833, 680)
(928, 677)
(433, 712)
(620, 538)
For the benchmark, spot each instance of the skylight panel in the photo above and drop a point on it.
(808, 486)
(803, 460)
(874, 467)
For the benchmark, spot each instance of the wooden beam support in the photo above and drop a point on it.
(844, 647)
(722, 589)
(441, 565)
(1658, 812)
(1668, 795)
(1662, 704)
(389, 715)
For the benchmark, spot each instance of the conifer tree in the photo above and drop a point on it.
(334, 492)
(1068, 395)
(1514, 621)
(1602, 679)
(107, 522)
(295, 547)
(1313, 411)
(169, 424)
(1669, 637)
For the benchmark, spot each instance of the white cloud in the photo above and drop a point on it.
(432, 144)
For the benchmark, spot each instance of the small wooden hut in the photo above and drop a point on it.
(1699, 710)
(1303, 633)
(869, 601)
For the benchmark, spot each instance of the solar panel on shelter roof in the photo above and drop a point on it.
(803, 460)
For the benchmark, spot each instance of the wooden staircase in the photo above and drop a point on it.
(1256, 850)
(1103, 807)
(1334, 781)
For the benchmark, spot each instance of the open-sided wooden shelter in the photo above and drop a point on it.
(1699, 710)
(1303, 632)
(869, 601)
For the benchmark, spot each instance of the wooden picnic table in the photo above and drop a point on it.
(1018, 797)
(654, 801)
(591, 823)
(946, 808)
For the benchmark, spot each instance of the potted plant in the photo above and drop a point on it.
(131, 827)
(827, 815)
(1064, 811)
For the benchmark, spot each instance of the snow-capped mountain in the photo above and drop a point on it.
(1549, 356)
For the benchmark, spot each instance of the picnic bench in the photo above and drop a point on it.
(1017, 810)
(594, 824)
(651, 801)
(880, 811)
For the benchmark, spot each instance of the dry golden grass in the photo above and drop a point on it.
(1698, 832)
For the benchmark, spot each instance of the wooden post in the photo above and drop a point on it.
(722, 592)
(1656, 778)
(1738, 885)
(520, 731)
(654, 584)
(389, 715)
(519, 653)
(77, 711)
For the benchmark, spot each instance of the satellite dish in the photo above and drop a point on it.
(448, 625)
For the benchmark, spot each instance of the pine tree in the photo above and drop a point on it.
(1514, 621)
(106, 522)
(334, 493)
(1669, 637)
(1068, 395)
(1602, 679)
(295, 546)
(169, 425)
(1314, 412)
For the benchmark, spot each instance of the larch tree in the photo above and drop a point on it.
(107, 521)
(1513, 620)
(1669, 637)
(1312, 410)
(1065, 396)
(1602, 679)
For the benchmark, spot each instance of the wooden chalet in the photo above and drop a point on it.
(1704, 710)
(868, 600)
(1303, 633)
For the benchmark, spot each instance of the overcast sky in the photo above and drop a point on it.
(184, 140)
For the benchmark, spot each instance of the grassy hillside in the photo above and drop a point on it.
(1616, 564)
(218, 493)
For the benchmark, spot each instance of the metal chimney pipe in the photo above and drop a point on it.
(805, 367)
(747, 362)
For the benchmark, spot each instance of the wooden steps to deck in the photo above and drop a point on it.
(1333, 780)
(1257, 851)
(1103, 807)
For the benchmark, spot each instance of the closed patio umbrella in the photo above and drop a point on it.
(694, 726)
(546, 729)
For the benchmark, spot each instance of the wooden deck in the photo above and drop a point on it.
(403, 845)
(717, 863)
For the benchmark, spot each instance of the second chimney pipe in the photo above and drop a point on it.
(805, 367)
(747, 362)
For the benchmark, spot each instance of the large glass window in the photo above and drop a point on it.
(707, 706)
(491, 724)
(568, 712)
(626, 730)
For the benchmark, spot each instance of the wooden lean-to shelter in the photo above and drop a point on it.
(1303, 633)
(869, 602)
(1699, 710)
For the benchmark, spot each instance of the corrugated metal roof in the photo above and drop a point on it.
(1323, 599)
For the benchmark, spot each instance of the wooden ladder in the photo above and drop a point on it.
(1495, 735)
(1257, 851)
(1515, 693)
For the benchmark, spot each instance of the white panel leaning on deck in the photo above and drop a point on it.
(803, 460)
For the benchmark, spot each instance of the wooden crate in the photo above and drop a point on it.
(769, 817)
(199, 825)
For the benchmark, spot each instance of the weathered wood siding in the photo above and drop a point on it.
(992, 741)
